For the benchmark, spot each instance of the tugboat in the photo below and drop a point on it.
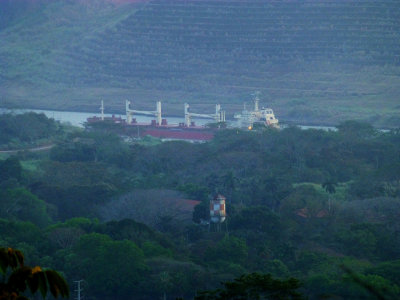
(264, 116)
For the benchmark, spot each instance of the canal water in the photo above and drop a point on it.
(79, 118)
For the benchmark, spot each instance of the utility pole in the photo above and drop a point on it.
(79, 290)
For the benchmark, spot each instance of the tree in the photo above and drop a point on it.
(229, 183)
(201, 212)
(194, 191)
(372, 285)
(175, 278)
(23, 277)
(234, 250)
(258, 219)
(355, 130)
(10, 168)
(255, 286)
(65, 237)
(21, 204)
(330, 187)
(304, 198)
(113, 269)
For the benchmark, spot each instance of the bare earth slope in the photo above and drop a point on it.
(314, 61)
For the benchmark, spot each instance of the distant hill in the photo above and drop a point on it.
(314, 61)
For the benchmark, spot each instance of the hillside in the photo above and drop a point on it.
(314, 61)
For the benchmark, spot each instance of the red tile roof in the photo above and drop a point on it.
(185, 204)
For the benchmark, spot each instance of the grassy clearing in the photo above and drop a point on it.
(30, 165)
(339, 195)
(148, 141)
(4, 156)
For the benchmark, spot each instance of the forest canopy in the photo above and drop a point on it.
(319, 206)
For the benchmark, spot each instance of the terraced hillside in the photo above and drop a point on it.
(314, 61)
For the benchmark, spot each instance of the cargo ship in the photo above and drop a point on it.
(160, 128)
(187, 130)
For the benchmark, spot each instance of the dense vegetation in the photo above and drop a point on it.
(315, 205)
(19, 278)
(315, 61)
(23, 131)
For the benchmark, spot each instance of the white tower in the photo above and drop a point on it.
(256, 100)
(128, 113)
(158, 113)
(102, 110)
(187, 115)
(219, 114)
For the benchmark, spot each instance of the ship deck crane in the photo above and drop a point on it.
(102, 110)
(219, 115)
(131, 112)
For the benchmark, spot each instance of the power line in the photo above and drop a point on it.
(79, 289)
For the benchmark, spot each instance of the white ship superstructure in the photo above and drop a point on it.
(265, 116)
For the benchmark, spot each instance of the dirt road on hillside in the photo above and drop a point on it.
(35, 149)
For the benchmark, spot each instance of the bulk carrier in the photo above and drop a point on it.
(188, 130)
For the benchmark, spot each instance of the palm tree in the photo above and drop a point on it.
(330, 187)
(229, 182)
(22, 277)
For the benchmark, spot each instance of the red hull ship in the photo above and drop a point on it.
(159, 128)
